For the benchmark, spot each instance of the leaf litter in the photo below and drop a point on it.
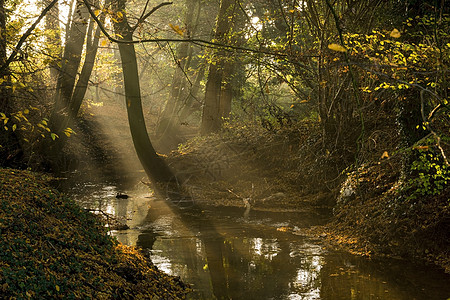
(52, 248)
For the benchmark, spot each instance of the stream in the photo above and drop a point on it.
(230, 253)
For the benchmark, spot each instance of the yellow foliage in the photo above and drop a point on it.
(337, 47)
(177, 29)
(395, 33)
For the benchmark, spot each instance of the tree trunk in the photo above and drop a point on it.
(118, 79)
(156, 169)
(170, 118)
(226, 94)
(71, 95)
(4, 92)
(10, 149)
(67, 76)
(211, 117)
(53, 36)
(86, 71)
(409, 116)
(72, 55)
(192, 103)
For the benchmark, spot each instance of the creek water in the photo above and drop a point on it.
(230, 253)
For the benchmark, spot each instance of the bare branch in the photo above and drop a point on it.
(426, 123)
(431, 114)
(143, 12)
(143, 17)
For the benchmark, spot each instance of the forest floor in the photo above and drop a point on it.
(45, 237)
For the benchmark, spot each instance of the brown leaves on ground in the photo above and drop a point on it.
(275, 170)
(378, 220)
(52, 248)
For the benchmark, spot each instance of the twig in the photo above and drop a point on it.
(143, 17)
(103, 213)
(53, 246)
(235, 194)
(427, 125)
(25, 36)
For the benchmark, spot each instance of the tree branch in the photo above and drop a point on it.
(25, 36)
(143, 17)
(199, 42)
(426, 123)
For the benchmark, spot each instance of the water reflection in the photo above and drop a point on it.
(225, 256)
(268, 248)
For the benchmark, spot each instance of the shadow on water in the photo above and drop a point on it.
(227, 254)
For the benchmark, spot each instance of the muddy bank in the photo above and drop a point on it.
(53, 248)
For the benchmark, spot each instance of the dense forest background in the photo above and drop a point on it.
(343, 99)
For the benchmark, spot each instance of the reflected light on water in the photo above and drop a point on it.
(199, 247)
(163, 263)
(268, 248)
(308, 279)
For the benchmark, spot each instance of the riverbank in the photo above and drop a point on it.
(375, 212)
(381, 217)
(271, 170)
(50, 247)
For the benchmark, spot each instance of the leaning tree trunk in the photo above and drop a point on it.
(86, 71)
(155, 168)
(71, 58)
